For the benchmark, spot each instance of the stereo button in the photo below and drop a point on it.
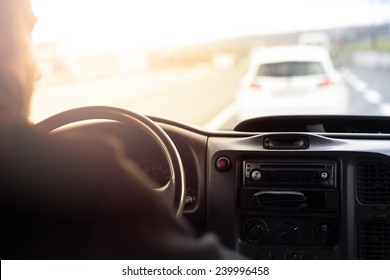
(311, 256)
(264, 255)
(294, 256)
(223, 164)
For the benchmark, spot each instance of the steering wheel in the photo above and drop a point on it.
(175, 188)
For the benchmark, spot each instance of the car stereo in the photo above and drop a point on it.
(288, 209)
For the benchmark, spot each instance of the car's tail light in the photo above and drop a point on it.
(326, 82)
(255, 85)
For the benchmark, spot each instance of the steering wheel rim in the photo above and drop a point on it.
(175, 188)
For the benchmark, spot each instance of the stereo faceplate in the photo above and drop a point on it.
(289, 174)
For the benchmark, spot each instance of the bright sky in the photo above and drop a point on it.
(85, 26)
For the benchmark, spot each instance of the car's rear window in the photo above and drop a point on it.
(287, 69)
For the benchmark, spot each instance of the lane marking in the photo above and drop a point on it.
(359, 85)
(348, 75)
(222, 117)
(372, 96)
(385, 109)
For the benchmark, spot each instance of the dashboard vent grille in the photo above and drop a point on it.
(373, 183)
(374, 241)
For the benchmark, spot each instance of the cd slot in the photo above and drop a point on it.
(297, 200)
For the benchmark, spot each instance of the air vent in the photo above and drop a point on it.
(373, 183)
(374, 241)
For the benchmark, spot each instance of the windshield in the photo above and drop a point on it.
(197, 61)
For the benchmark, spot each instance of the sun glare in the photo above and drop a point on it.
(90, 26)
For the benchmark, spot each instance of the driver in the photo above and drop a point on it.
(74, 197)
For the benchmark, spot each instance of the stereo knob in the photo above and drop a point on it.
(325, 234)
(289, 231)
(254, 230)
(256, 175)
(324, 175)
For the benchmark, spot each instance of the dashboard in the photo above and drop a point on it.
(327, 201)
(320, 191)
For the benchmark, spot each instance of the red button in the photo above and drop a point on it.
(223, 164)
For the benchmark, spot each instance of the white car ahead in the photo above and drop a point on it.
(291, 80)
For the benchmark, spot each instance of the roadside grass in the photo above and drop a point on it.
(380, 44)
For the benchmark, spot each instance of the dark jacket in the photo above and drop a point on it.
(70, 198)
